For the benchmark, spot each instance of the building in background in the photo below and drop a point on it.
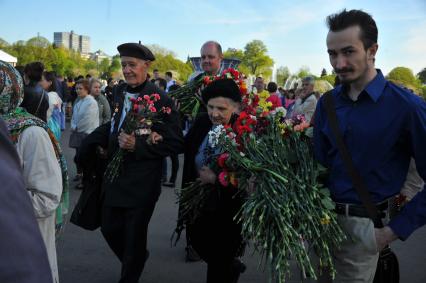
(84, 44)
(73, 41)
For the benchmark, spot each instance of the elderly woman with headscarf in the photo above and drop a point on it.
(214, 235)
(40, 155)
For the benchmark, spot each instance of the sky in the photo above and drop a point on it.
(293, 31)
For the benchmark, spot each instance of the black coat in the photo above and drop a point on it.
(214, 235)
(23, 254)
(139, 183)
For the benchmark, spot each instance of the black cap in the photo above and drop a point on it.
(135, 50)
(221, 88)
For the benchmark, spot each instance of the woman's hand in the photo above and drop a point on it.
(207, 176)
(126, 141)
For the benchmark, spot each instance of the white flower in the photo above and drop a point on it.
(254, 90)
(214, 135)
(242, 154)
(279, 111)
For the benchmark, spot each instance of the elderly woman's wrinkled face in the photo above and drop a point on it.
(220, 110)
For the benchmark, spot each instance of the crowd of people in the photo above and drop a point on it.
(384, 135)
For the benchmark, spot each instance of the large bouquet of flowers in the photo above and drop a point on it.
(287, 210)
(189, 95)
(287, 213)
(139, 120)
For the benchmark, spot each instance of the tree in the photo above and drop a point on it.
(282, 75)
(3, 43)
(404, 76)
(256, 58)
(38, 41)
(167, 62)
(422, 76)
(329, 78)
(233, 53)
(115, 67)
(303, 72)
(323, 72)
(103, 68)
(159, 50)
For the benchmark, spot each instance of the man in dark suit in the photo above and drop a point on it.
(23, 256)
(130, 199)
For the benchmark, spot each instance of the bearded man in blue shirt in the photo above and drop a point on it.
(383, 126)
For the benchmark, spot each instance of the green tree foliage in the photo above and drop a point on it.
(257, 60)
(38, 41)
(421, 75)
(103, 68)
(329, 78)
(114, 70)
(168, 62)
(282, 75)
(3, 43)
(303, 72)
(323, 72)
(165, 60)
(233, 53)
(404, 76)
(63, 61)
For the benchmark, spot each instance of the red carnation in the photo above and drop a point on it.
(221, 160)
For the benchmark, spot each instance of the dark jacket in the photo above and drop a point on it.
(36, 100)
(23, 256)
(139, 183)
(214, 235)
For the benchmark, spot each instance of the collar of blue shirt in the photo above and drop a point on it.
(374, 88)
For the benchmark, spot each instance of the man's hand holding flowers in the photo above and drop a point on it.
(126, 141)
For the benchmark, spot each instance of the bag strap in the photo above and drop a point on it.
(357, 181)
(39, 103)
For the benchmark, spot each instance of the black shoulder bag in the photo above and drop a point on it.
(387, 270)
(87, 213)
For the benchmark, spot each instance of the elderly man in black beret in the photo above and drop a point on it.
(130, 199)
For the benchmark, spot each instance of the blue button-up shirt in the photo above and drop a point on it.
(382, 130)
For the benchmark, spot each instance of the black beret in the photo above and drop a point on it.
(135, 50)
(221, 88)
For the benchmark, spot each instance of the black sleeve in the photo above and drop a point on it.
(87, 149)
(22, 252)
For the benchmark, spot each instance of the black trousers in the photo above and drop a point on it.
(222, 271)
(175, 167)
(126, 230)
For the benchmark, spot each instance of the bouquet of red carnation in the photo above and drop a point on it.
(287, 211)
(142, 115)
(189, 95)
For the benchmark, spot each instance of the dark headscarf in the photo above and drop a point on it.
(221, 88)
